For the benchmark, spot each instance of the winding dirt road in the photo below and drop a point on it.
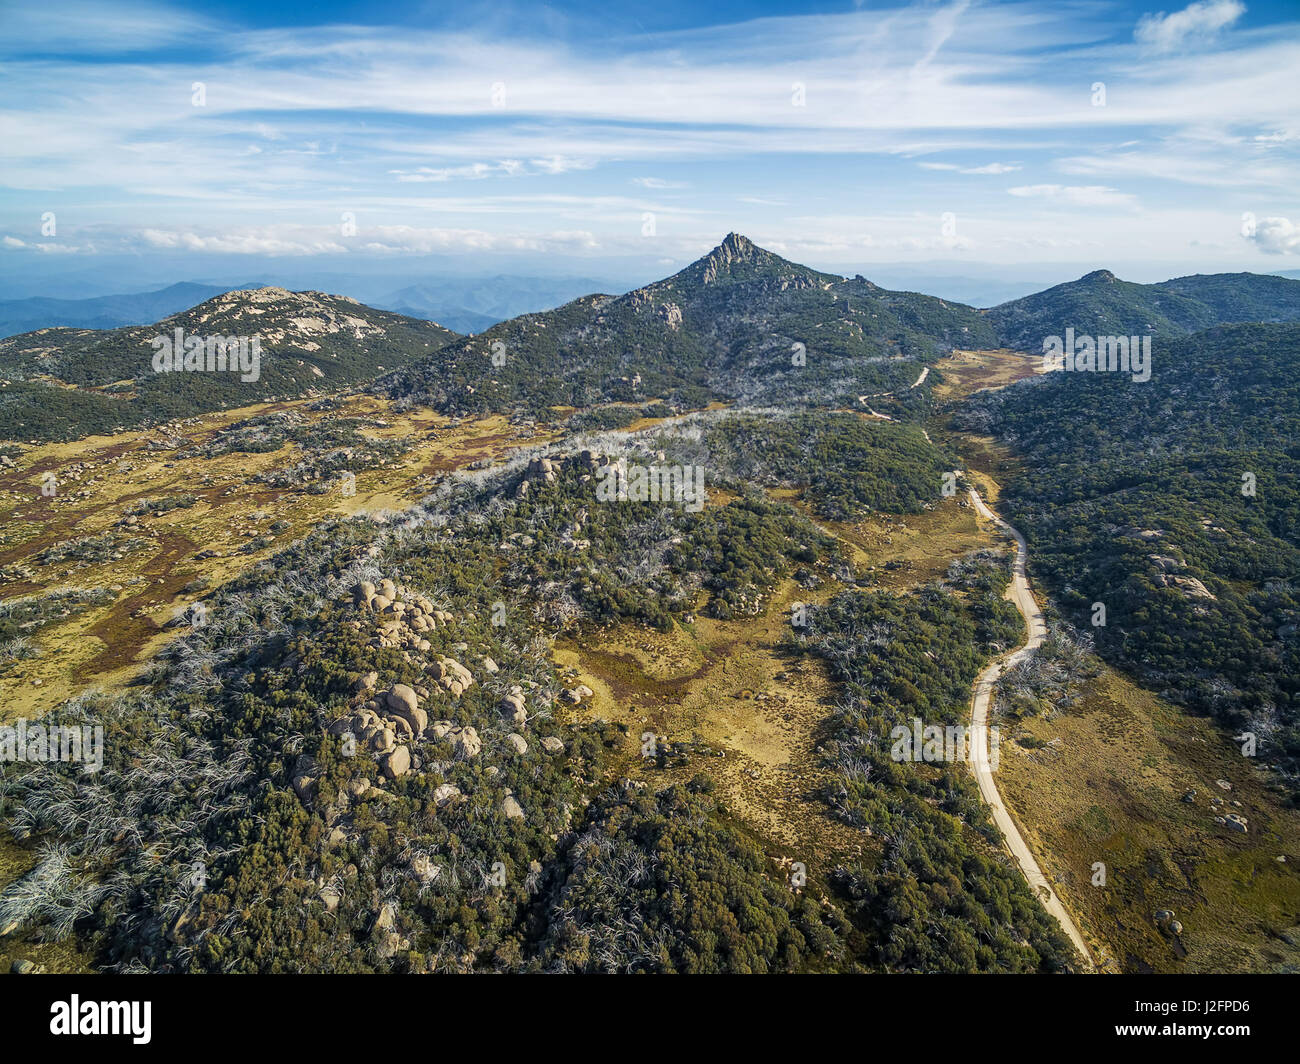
(1023, 597)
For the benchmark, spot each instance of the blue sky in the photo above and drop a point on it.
(959, 135)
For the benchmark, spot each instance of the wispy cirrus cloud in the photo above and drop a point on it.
(90, 29)
(412, 125)
(987, 168)
(1076, 195)
(659, 183)
(555, 164)
(1194, 24)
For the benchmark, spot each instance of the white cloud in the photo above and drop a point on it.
(992, 168)
(559, 164)
(247, 243)
(1076, 195)
(988, 168)
(659, 183)
(45, 247)
(471, 172)
(1277, 236)
(551, 165)
(1196, 23)
(310, 240)
(404, 239)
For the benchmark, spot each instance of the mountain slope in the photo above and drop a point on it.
(1233, 298)
(741, 323)
(62, 383)
(1175, 504)
(1100, 304)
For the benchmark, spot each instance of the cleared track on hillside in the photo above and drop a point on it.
(981, 700)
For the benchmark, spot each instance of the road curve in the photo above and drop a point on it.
(1023, 597)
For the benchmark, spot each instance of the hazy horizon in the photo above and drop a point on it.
(376, 278)
(1027, 142)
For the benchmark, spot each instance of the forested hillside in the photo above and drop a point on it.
(1100, 304)
(740, 324)
(361, 760)
(1175, 504)
(905, 657)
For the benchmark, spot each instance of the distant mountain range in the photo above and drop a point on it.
(465, 305)
(102, 312)
(740, 324)
(475, 304)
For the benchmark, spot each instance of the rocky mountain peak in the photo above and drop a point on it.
(734, 250)
(1100, 277)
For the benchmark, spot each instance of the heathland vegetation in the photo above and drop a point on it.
(355, 748)
(333, 772)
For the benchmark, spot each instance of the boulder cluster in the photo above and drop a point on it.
(547, 470)
(539, 469)
(400, 620)
(391, 723)
(588, 462)
(388, 722)
(1233, 822)
(512, 707)
(575, 695)
(1171, 574)
(1219, 806)
(452, 675)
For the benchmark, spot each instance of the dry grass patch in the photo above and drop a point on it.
(237, 518)
(966, 372)
(753, 714)
(1104, 782)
